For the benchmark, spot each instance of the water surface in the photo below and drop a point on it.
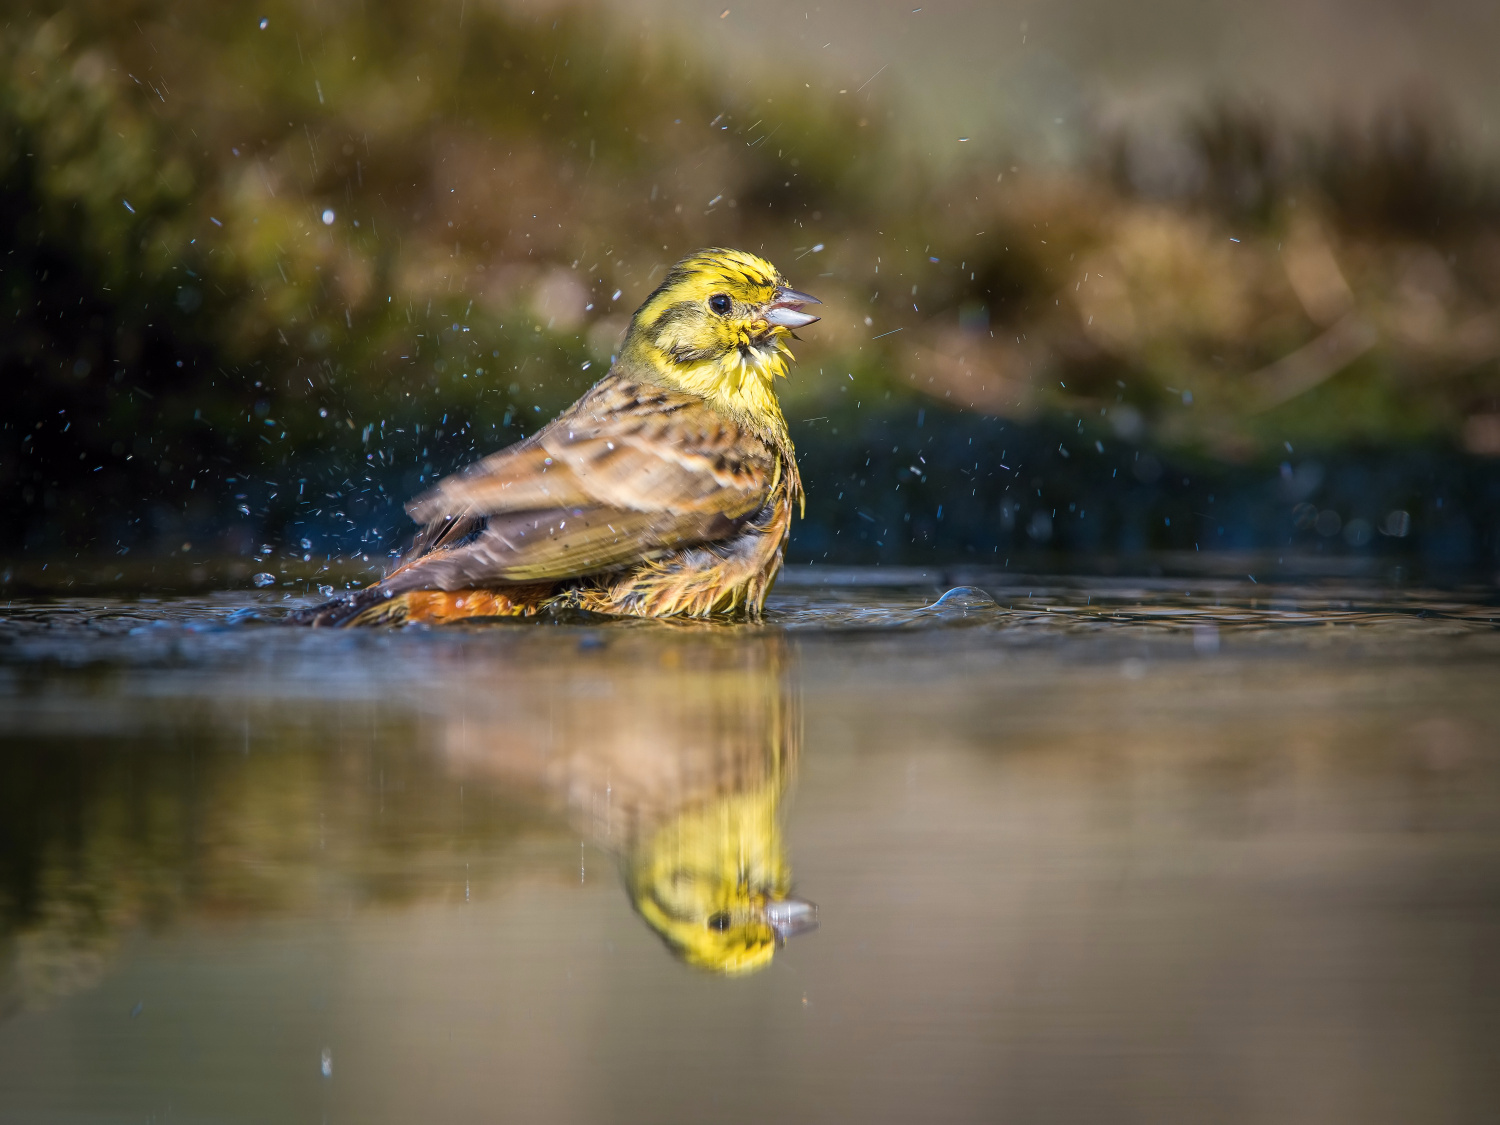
(1092, 851)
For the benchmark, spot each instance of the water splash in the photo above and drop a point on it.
(965, 601)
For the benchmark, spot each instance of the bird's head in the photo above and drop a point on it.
(716, 327)
(714, 884)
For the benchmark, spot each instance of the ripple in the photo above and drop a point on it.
(240, 625)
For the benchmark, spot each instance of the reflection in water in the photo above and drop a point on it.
(1076, 863)
(678, 765)
(712, 878)
(231, 802)
(714, 883)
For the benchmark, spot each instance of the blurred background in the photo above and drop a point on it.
(1157, 288)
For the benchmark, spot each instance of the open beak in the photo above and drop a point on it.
(791, 916)
(786, 309)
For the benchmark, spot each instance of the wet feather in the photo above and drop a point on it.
(667, 490)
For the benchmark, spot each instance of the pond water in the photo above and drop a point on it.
(1101, 851)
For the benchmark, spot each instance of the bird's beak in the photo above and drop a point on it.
(790, 917)
(786, 309)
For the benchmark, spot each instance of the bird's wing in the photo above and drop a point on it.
(629, 472)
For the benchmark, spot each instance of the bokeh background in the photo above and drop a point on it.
(1158, 287)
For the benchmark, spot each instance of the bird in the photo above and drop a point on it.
(667, 490)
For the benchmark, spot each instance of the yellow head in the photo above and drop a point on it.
(715, 327)
(714, 881)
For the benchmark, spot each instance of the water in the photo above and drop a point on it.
(1126, 851)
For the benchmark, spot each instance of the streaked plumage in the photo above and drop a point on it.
(666, 490)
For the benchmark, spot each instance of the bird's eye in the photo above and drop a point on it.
(719, 302)
(719, 921)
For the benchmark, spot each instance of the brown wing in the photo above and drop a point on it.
(628, 473)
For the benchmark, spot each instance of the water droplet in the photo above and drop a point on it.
(263, 579)
(328, 217)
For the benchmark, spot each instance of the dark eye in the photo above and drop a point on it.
(719, 303)
(719, 921)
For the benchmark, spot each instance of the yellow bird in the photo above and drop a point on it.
(666, 490)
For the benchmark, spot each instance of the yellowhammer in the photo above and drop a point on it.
(666, 490)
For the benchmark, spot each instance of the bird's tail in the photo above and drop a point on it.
(374, 605)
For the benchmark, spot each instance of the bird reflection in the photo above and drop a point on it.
(676, 759)
(671, 748)
(713, 881)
